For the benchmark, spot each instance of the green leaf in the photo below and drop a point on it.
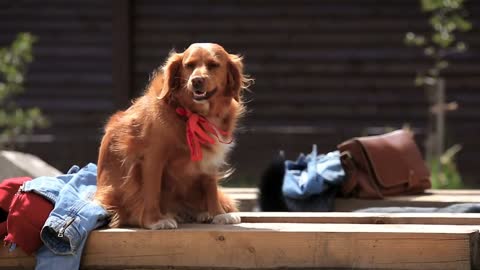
(430, 5)
(443, 39)
(436, 21)
(441, 65)
(461, 47)
(433, 5)
(14, 61)
(414, 40)
(429, 51)
(433, 72)
(450, 154)
(419, 80)
(461, 23)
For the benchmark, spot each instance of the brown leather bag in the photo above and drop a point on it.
(383, 165)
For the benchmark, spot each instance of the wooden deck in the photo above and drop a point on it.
(288, 240)
(334, 240)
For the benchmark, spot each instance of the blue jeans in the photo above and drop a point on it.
(74, 216)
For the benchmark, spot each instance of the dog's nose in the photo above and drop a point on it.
(197, 83)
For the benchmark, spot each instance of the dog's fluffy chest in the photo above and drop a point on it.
(214, 157)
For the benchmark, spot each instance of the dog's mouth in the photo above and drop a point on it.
(199, 95)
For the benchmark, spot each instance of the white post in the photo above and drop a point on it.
(440, 117)
(435, 137)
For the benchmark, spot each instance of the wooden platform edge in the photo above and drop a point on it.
(362, 218)
(278, 245)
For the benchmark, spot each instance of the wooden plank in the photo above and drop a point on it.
(362, 218)
(122, 52)
(438, 197)
(274, 245)
(231, 190)
(247, 199)
(428, 200)
(454, 191)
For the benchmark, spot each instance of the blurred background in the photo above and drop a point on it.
(325, 71)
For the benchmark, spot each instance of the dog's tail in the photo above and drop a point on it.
(101, 198)
(270, 186)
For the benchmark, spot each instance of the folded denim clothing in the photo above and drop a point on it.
(73, 217)
(312, 174)
(324, 202)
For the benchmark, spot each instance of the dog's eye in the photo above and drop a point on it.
(213, 65)
(190, 65)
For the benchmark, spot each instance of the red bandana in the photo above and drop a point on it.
(196, 135)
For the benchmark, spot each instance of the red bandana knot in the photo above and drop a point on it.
(197, 128)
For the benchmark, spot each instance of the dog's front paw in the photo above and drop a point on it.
(228, 218)
(163, 224)
(204, 217)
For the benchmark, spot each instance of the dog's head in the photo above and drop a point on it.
(203, 73)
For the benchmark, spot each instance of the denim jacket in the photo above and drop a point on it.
(74, 216)
(312, 174)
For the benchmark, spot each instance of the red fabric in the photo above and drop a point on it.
(196, 135)
(8, 188)
(27, 215)
(3, 228)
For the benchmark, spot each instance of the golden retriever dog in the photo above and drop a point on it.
(161, 159)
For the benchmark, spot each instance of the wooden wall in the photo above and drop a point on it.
(325, 70)
(71, 76)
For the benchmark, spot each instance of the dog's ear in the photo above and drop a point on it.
(236, 80)
(171, 74)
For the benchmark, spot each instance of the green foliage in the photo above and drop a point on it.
(444, 173)
(447, 18)
(15, 121)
